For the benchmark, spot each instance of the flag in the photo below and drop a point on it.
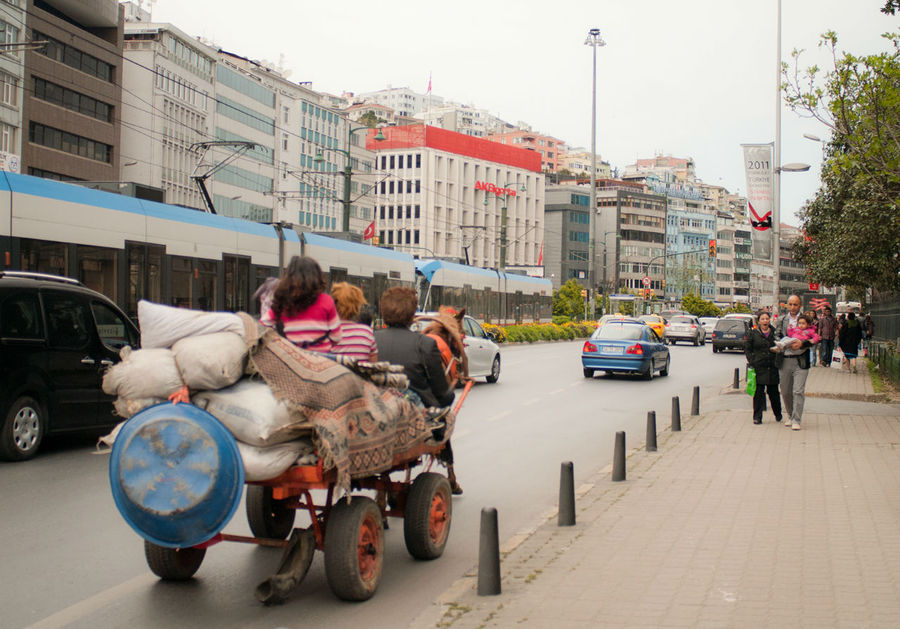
(369, 231)
(541, 254)
(428, 89)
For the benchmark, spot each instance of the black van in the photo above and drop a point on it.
(57, 338)
(730, 333)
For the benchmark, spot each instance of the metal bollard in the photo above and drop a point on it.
(695, 402)
(651, 431)
(676, 414)
(737, 378)
(618, 473)
(489, 554)
(566, 515)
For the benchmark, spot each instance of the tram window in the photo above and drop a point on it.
(44, 257)
(182, 282)
(144, 274)
(206, 286)
(97, 269)
(237, 283)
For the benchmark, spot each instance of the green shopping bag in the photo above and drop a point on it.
(751, 381)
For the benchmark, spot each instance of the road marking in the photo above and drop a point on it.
(554, 392)
(498, 416)
(531, 401)
(100, 600)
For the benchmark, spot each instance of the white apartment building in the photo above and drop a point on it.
(444, 194)
(459, 118)
(402, 100)
(12, 66)
(578, 161)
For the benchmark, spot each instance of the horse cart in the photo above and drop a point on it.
(177, 477)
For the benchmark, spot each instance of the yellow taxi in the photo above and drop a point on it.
(656, 322)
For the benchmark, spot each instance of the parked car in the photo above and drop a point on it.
(656, 322)
(685, 328)
(57, 338)
(730, 333)
(482, 351)
(709, 324)
(625, 346)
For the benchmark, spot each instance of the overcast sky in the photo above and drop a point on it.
(695, 78)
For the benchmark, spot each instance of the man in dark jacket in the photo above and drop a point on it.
(827, 329)
(419, 354)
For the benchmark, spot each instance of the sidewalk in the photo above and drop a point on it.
(729, 524)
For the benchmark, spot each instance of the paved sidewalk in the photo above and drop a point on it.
(829, 382)
(729, 524)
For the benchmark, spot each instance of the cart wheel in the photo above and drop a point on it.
(267, 516)
(173, 564)
(426, 519)
(354, 548)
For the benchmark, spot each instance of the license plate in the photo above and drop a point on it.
(729, 336)
(612, 349)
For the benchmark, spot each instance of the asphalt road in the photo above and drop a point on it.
(68, 559)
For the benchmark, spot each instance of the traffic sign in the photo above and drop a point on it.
(646, 282)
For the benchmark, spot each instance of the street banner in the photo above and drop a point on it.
(760, 172)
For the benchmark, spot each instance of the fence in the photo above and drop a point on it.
(886, 316)
(888, 360)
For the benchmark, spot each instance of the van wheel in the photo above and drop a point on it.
(23, 429)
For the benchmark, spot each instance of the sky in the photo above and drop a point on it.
(696, 78)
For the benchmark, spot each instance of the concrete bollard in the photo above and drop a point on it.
(676, 414)
(489, 554)
(651, 431)
(618, 472)
(695, 402)
(737, 378)
(566, 495)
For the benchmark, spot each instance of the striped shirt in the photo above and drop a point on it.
(317, 328)
(357, 341)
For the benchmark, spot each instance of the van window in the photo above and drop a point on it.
(68, 321)
(20, 318)
(113, 330)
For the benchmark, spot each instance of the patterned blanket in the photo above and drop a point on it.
(358, 428)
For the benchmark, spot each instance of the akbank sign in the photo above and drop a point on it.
(489, 187)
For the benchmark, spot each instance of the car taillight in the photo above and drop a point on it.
(667, 325)
(714, 334)
(744, 338)
(635, 349)
(693, 327)
(589, 347)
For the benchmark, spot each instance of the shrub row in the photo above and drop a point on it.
(531, 332)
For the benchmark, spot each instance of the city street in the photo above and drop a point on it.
(70, 560)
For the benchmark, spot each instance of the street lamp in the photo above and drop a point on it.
(348, 171)
(594, 40)
(605, 264)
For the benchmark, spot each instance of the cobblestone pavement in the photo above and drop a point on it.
(729, 524)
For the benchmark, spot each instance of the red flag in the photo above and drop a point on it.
(428, 90)
(541, 254)
(369, 231)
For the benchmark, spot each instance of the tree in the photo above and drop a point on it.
(852, 225)
(738, 308)
(699, 307)
(371, 119)
(567, 301)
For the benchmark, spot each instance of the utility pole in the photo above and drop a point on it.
(594, 40)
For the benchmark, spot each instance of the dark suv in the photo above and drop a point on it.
(57, 337)
(730, 334)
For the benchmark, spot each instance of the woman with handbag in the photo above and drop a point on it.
(762, 359)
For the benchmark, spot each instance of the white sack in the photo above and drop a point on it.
(211, 361)
(250, 411)
(126, 407)
(163, 326)
(143, 373)
(271, 461)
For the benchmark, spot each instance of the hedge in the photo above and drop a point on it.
(531, 332)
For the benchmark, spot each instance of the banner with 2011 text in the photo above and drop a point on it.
(759, 171)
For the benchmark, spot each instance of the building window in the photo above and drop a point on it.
(284, 141)
(10, 95)
(9, 34)
(71, 100)
(69, 142)
(73, 57)
(7, 137)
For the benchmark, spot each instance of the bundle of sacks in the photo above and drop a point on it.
(206, 353)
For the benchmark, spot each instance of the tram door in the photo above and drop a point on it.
(144, 275)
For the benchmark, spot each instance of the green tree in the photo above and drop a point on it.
(699, 307)
(371, 119)
(567, 301)
(852, 225)
(738, 308)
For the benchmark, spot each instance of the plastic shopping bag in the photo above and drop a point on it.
(837, 358)
(751, 381)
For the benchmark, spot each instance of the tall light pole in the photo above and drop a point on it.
(776, 193)
(594, 40)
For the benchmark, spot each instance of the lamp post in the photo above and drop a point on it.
(594, 40)
(605, 234)
(348, 171)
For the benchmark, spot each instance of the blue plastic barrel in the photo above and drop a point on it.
(176, 475)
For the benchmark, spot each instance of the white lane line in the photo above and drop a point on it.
(499, 416)
(555, 391)
(100, 600)
(531, 401)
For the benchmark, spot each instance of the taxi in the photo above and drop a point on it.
(656, 322)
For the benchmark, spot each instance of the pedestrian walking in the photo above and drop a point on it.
(760, 341)
(849, 338)
(814, 326)
(827, 329)
(868, 332)
(794, 368)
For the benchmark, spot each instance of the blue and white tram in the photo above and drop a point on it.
(486, 294)
(131, 249)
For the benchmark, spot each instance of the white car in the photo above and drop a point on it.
(709, 324)
(481, 350)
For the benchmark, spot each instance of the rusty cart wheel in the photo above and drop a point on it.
(267, 516)
(173, 564)
(354, 548)
(426, 518)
